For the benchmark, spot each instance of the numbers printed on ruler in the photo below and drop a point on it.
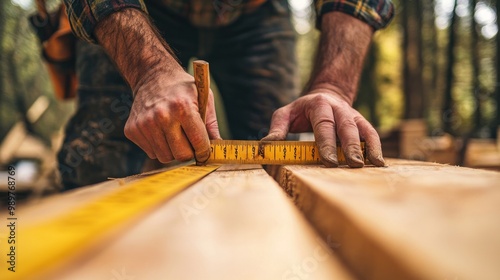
(231, 151)
(269, 152)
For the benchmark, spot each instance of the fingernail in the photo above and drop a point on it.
(358, 157)
(381, 160)
(203, 156)
(202, 159)
(355, 160)
(332, 161)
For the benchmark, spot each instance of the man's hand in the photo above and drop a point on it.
(164, 120)
(323, 112)
(326, 105)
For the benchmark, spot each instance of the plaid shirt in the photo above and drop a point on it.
(85, 14)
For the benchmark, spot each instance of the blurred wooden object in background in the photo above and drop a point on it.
(483, 153)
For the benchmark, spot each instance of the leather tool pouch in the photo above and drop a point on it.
(58, 48)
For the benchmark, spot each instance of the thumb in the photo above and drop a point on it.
(211, 121)
(280, 124)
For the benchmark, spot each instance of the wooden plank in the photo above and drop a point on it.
(483, 153)
(413, 133)
(234, 224)
(412, 220)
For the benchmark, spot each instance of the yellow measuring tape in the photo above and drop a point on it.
(43, 246)
(47, 244)
(269, 152)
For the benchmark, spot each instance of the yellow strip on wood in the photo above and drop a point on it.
(56, 241)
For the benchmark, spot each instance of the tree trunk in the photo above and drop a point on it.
(2, 86)
(434, 49)
(431, 57)
(447, 108)
(497, 88)
(476, 86)
(412, 53)
(419, 93)
(374, 94)
(368, 89)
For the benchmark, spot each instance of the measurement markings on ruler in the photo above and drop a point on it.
(269, 152)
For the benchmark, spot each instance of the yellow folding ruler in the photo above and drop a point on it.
(40, 247)
(52, 242)
(269, 152)
(255, 152)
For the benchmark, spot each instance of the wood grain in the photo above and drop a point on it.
(234, 224)
(412, 220)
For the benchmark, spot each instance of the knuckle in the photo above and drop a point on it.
(371, 133)
(359, 118)
(324, 123)
(320, 99)
(348, 124)
(213, 124)
(129, 130)
(184, 156)
(365, 127)
(179, 106)
(277, 113)
(326, 147)
(147, 121)
(351, 146)
(162, 115)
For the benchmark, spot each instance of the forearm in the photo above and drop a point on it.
(133, 43)
(342, 49)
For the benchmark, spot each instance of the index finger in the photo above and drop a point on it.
(349, 136)
(197, 135)
(323, 125)
(373, 145)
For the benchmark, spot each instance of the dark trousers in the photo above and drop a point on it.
(252, 62)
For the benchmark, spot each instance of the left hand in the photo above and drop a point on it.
(327, 114)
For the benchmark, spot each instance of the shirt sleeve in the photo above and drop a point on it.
(85, 14)
(377, 13)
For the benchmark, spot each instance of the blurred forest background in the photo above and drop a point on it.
(437, 61)
(23, 77)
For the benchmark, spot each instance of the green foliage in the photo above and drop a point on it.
(24, 77)
(389, 78)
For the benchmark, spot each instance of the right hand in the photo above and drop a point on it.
(165, 122)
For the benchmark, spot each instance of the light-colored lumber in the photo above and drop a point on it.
(412, 133)
(411, 220)
(234, 224)
(483, 153)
